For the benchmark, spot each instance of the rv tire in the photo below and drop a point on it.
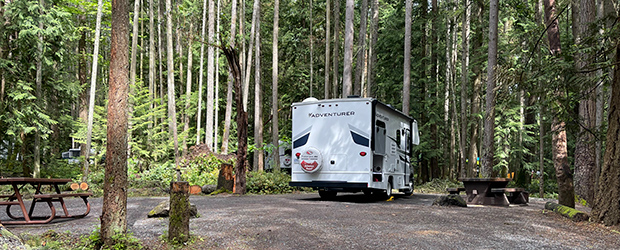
(327, 195)
(409, 191)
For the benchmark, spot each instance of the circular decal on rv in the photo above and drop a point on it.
(310, 160)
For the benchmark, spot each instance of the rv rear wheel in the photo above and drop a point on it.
(327, 195)
(409, 191)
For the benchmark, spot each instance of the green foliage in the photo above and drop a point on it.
(203, 170)
(437, 186)
(123, 241)
(269, 183)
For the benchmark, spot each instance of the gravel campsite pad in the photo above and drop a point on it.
(351, 221)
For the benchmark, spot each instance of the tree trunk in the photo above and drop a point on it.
(200, 71)
(489, 118)
(347, 83)
(361, 55)
(172, 113)
(248, 68)
(151, 69)
(475, 97)
(311, 50)
(372, 54)
(242, 121)
(82, 73)
(93, 86)
(563, 173)
(327, 50)
(188, 87)
(464, 85)
(132, 68)
(275, 137)
(210, 76)
(217, 84)
(228, 111)
(114, 211)
(178, 223)
(407, 57)
(585, 159)
(606, 207)
(336, 55)
(161, 62)
(541, 153)
(258, 104)
(38, 93)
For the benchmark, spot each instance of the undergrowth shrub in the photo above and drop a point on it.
(269, 183)
(437, 186)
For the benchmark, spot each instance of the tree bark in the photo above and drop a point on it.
(336, 55)
(361, 55)
(132, 67)
(93, 86)
(489, 118)
(248, 68)
(114, 211)
(201, 70)
(327, 50)
(347, 83)
(258, 101)
(178, 223)
(210, 76)
(188, 87)
(372, 54)
(151, 68)
(172, 113)
(606, 207)
(563, 173)
(475, 97)
(228, 111)
(275, 137)
(407, 57)
(541, 153)
(585, 158)
(242, 121)
(464, 86)
(161, 62)
(38, 93)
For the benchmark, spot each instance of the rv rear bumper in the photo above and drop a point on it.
(329, 184)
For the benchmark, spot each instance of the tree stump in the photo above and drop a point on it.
(178, 227)
(225, 179)
(195, 189)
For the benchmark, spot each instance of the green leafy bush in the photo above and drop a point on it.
(437, 186)
(203, 170)
(269, 183)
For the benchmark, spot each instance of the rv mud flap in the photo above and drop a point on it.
(329, 184)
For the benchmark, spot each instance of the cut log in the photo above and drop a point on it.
(74, 186)
(571, 213)
(84, 186)
(195, 189)
(225, 179)
(178, 227)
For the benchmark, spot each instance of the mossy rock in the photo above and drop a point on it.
(163, 210)
(452, 200)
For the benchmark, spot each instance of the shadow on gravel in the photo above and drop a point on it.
(416, 199)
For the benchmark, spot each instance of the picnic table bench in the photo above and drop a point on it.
(516, 195)
(40, 195)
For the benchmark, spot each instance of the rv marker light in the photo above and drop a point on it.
(362, 153)
(298, 154)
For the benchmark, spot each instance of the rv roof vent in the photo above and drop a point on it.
(311, 99)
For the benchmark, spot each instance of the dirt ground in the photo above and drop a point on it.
(351, 221)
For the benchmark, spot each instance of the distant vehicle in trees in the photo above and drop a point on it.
(352, 145)
(284, 154)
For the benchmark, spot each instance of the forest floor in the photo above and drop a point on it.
(351, 221)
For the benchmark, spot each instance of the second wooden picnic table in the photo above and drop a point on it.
(40, 195)
(479, 191)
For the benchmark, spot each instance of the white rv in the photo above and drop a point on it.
(352, 145)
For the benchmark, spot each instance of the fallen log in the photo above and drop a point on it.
(568, 212)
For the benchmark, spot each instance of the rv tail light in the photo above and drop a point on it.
(298, 154)
(362, 153)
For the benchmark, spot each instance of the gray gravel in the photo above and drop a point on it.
(352, 221)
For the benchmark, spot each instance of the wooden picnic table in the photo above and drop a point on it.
(479, 191)
(40, 195)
